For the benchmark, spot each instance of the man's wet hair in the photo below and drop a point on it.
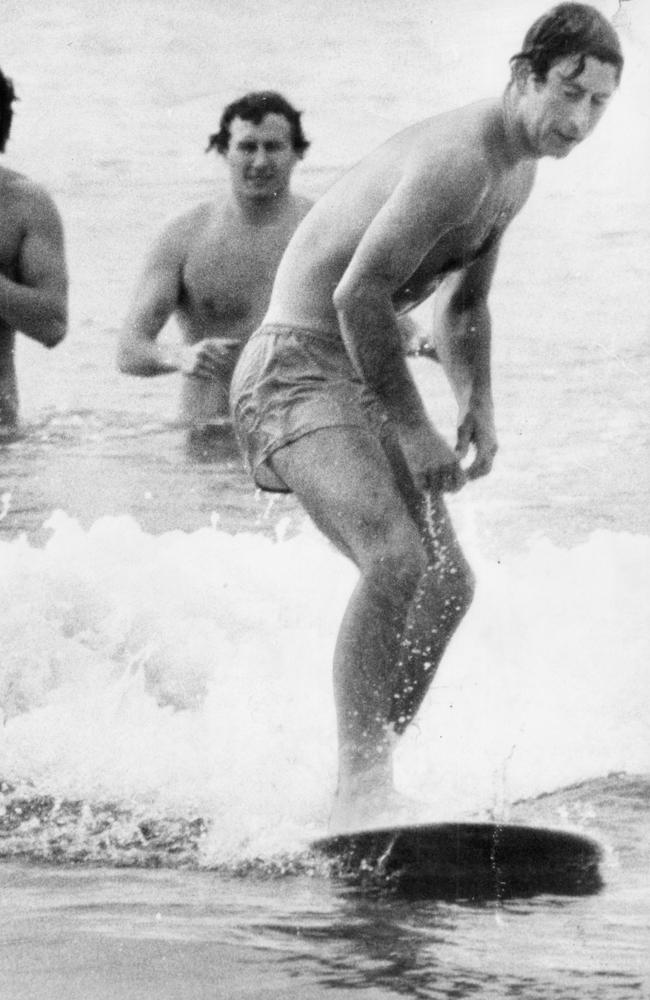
(253, 108)
(570, 29)
(7, 97)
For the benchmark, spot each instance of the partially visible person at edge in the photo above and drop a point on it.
(213, 266)
(323, 400)
(33, 274)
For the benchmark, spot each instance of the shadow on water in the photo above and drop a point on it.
(378, 942)
(423, 948)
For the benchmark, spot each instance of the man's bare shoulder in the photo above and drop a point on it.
(18, 186)
(30, 199)
(465, 136)
(455, 158)
(180, 232)
(446, 163)
(184, 224)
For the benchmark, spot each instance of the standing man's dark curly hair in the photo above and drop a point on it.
(253, 108)
(7, 97)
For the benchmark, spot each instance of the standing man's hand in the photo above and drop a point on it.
(433, 465)
(477, 428)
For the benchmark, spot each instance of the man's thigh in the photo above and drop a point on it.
(346, 482)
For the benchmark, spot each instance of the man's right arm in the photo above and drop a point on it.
(418, 213)
(156, 298)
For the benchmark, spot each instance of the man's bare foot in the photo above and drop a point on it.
(376, 809)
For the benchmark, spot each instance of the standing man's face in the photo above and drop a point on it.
(260, 157)
(562, 110)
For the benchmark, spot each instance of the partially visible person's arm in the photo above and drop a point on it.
(35, 299)
(461, 335)
(156, 298)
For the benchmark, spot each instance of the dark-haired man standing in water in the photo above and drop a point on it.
(33, 276)
(213, 267)
(323, 400)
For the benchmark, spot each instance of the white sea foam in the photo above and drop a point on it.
(190, 673)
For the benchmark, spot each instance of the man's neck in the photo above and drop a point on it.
(260, 211)
(516, 145)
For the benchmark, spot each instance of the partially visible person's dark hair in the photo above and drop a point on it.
(7, 97)
(570, 29)
(252, 108)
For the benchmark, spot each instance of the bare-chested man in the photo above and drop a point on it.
(213, 267)
(33, 276)
(323, 400)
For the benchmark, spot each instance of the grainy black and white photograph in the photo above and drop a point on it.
(324, 500)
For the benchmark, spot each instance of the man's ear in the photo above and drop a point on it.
(521, 73)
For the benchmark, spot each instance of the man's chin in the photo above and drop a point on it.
(560, 148)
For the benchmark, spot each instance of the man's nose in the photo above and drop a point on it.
(580, 122)
(261, 157)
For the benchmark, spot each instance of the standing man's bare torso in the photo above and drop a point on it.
(468, 147)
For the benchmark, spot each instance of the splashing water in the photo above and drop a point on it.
(184, 680)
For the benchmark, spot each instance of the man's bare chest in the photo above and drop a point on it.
(466, 242)
(226, 277)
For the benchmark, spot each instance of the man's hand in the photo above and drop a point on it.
(431, 462)
(477, 428)
(212, 358)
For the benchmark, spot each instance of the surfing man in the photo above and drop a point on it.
(323, 400)
(213, 266)
(33, 274)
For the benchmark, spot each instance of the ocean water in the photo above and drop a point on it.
(167, 750)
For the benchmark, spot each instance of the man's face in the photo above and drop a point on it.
(562, 110)
(260, 157)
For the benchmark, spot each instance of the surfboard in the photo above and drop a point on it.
(466, 861)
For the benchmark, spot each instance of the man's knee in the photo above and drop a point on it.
(395, 566)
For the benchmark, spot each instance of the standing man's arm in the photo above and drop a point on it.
(462, 334)
(34, 299)
(416, 216)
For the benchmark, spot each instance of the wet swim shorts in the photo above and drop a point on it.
(289, 382)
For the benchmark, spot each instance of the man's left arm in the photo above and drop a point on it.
(462, 334)
(34, 299)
